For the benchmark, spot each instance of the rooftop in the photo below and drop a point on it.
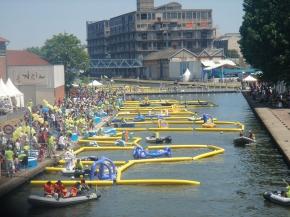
(24, 58)
(3, 40)
(170, 52)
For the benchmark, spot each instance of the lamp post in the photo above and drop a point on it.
(30, 126)
(63, 113)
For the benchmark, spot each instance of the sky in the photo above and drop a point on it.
(29, 23)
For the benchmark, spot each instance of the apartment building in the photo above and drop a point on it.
(150, 29)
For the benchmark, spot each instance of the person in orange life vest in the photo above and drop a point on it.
(75, 189)
(48, 189)
(60, 189)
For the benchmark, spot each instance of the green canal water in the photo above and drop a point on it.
(231, 184)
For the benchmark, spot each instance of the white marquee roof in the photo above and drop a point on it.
(213, 64)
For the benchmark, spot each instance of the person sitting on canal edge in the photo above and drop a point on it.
(9, 154)
(79, 165)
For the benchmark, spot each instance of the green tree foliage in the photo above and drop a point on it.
(66, 49)
(265, 41)
(35, 50)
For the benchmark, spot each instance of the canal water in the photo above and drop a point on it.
(231, 184)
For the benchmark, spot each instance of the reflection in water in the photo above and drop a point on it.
(231, 184)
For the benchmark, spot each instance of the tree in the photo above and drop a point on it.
(67, 49)
(232, 54)
(265, 41)
(35, 50)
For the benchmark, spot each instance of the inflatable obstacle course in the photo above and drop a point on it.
(214, 150)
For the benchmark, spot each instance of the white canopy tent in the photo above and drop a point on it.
(18, 95)
(5, 98)
(210, 65)
(95, 83)
(250, 79)
(186, 76)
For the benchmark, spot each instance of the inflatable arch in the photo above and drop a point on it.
(106, 169)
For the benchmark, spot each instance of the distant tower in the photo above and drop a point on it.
(143, 5)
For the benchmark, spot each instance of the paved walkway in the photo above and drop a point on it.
(9, 184)
(277, 122)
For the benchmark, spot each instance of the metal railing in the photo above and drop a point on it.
(115, 63)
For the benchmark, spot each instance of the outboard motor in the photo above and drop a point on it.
(168, 139)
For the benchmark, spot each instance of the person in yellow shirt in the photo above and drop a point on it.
(51, 145)
(9, 154)
(79, 165)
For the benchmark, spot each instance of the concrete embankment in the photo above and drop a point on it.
(9, 184)
(190, 83)
(277, 122)
(168, 87)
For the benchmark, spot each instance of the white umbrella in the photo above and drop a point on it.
(186, 75)
(250, 79)
(95, 83)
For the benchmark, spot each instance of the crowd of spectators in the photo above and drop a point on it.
(266, 94)
(52, 130)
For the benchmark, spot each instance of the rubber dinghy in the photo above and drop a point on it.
(243, 140)
(276, 197)
(158, 140)
(36, 200)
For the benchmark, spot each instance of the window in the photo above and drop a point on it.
(2, 49)
(164, 16)
(203, 15)
(183, 15)
(144, 36)
(149, 16)
(143, 16)
(198, 15)
(188, 35)
(173, 15)
(209, 15)
(189, 15)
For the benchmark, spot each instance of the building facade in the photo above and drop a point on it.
(35, 77)
(150, 29)
(171, 64)
(229, 42)
(3, 44)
